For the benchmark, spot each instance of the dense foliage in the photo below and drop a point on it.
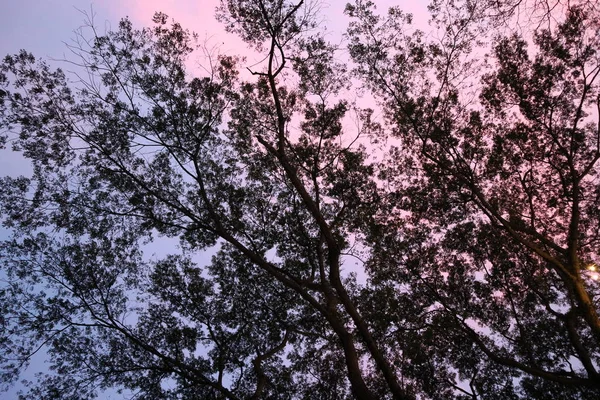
(441, 245)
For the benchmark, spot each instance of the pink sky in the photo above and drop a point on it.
(41, 26)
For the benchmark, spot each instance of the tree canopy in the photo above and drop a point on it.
(439, 242)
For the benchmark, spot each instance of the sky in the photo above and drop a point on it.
(43, 27)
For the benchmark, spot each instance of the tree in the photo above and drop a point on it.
(504, 176)
(475, 225)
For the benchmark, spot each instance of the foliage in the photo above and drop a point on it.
(472, 207)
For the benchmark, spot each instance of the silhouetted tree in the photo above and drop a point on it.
(472, 206)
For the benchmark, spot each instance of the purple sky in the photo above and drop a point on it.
(41, 26)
